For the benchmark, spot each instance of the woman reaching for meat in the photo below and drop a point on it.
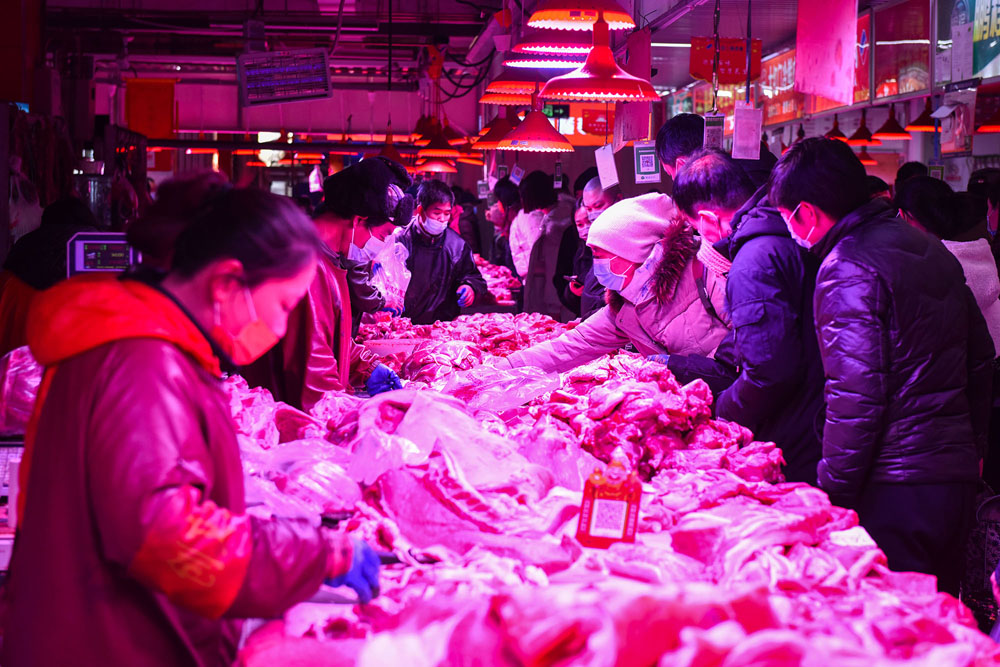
(660, 297)
(134, 547)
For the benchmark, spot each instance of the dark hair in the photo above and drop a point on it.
(363, 190)
(537, 191)
(940, 210)
(679, 137)
(585, 177)
(908, 171)
(178, 202)
(507, 194)
(433, 191)
(70, 211)
(399, 173)
(711, 179)
(876, 185)
(268, 234)
(824, 172)
(986, 183)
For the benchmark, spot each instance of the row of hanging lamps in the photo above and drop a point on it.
(924, 122)
(435, 166)
(501, 127)
(599, 79)
(540, 61)
(863, 136)
(579, 15)
(506, 99)
(865, 158)
(835, 132)
(891, 130)
(451, 135)
(438, 146)
(535, 134)
(554, 42)
(521, 81)
(470, 157)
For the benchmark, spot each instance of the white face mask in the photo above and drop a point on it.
(804, 242)
(432, 226)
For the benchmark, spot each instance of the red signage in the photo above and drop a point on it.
(595, 121)
(781, 102)
(732, 59)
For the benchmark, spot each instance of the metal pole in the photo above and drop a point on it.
(749, 41)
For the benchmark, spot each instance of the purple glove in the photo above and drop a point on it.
(465, 296)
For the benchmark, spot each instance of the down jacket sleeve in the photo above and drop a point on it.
(152, 474)
(767, 331)
(595, 337)
(851, 307)
(980, 374)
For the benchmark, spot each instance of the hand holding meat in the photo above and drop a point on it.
(362, 578)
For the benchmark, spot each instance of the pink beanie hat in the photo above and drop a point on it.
(631, 227)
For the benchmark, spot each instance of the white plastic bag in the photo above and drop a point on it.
(390, 275)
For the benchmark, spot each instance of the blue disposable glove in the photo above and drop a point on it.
(660, 358)
(383, 379)
(362, 578)
(395, 312)
(465, 296)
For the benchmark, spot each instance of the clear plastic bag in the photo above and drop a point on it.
(390, 275)
(488, 388)
(20, 376)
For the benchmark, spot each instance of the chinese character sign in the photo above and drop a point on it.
(825, 49)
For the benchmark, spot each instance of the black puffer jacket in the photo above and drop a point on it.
(440, 265)
(907, 357)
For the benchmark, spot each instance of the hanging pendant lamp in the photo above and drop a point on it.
(924, 122)
(435, 166)
(540, 61)
(863, 136)
(554, 42)
(535, 134)
(867, 159)
(891, 130)
(501, 129)
(579, 15)
(438, 146)
(835, 132)
(470, 157)
(506, 99)
(451, 135)
(519, 80)
(600, 79)
(800, 134)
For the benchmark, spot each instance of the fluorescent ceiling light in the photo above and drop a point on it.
(672, 45)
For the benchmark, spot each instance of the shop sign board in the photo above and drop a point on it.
(826, 35)
(732, 59)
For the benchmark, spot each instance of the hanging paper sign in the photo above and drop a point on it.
(606, 168)
(746, 136)
(825, 45)
(715, 128)
(517, 174)
(647, 165)
(732, 59)
(632, 118)
(596, 121)
(961, 52)
(483, 189)
(557, 179)
(502, 171)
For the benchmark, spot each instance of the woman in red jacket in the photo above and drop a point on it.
(134, 546)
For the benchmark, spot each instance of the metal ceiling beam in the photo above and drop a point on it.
(302, 147)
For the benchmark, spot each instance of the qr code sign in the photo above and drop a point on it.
(647, 163)
(608, 518)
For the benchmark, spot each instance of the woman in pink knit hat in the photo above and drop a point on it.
(661, 298)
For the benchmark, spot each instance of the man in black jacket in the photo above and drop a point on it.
(444, 275)
(771, 356)
(907, 357)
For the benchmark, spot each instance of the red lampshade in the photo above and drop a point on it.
(506, 99)
(991, 125)
(835, 132)
(867, 159)
(470, 157)
(863, 136)
(521, 80)
(924, 122)
(555, 42)
(535, 134)
(424, 125)
(501, 127)
(579, 15)
(600, 79)
(435, 166)
(452, 136)
(540, 61)
(438, 146)
(892, 130)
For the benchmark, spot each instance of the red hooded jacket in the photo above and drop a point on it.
(134, 545)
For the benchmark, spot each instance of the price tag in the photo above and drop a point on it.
(936, 171)
(502, 171)
(746, 135)
(483, 189)
(517, 174)
(715, 127)
(557, 179)
(647, 165)
(606, 168)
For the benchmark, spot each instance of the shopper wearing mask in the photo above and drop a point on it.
(767, 373)
(445, 278)
(319, 354)
(645, 257)
(134, 543)
(579, 289)
(504, 205)
(907, 357)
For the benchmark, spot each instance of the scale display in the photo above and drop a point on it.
(92, 252)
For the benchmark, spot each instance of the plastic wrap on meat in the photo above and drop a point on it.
(20, 376)
(434, 360)
(486, 388)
